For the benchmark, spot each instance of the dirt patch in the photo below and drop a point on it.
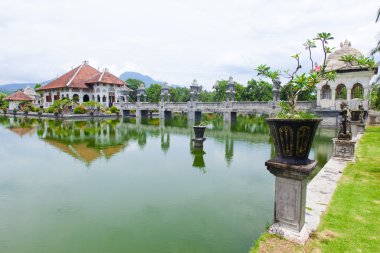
(278, 245)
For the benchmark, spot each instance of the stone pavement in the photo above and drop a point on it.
(320, 191)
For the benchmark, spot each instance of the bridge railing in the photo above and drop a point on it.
(210, 106)
(181, 106)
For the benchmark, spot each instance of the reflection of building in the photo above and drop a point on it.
(352, 83)
(84, 152)
(84, 140)
(85, 83)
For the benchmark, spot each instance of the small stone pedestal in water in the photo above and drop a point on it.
(199, 136)
(290, 199)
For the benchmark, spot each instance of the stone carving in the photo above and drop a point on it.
(344, 123)
(361, 113)
(286, 137)
(230, 92)
(276, 83)
(303, 136)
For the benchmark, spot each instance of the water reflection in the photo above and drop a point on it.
(198, 154)
(90, 140)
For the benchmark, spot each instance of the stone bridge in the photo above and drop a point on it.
(194, 109)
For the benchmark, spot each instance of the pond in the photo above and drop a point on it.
(136, 186)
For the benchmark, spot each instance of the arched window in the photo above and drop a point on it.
(357, 91)
(86, 98)
(104, 99)
(326, 92)
(341, 92)
(76, 98)
(98, 98)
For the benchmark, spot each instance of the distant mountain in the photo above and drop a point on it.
(134, 75)
(12, 87)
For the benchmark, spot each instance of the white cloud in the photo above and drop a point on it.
(171, 40)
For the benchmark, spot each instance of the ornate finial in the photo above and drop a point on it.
(231, 80)
(141, 86)
(346, 43)
(195, 82)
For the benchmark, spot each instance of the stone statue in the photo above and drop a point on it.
(276, 84)
(361, 113)
(344, 123)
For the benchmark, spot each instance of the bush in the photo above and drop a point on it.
(80, 110)
(113, 109)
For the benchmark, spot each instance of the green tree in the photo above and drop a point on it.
(153, 92)
(179, 94)
(239, 92)
(207, 96)
(258, 91)
(377, 48)
(3, 103)
(307, 95)
(38, 85)
(133, 84)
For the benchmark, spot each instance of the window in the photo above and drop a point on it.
(326, 92)
(357, 91)
(341, 92)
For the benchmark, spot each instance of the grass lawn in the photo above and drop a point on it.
(352, 220)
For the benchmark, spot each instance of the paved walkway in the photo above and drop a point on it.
(320, 190)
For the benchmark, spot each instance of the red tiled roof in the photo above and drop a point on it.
(18, 96)
(75, 78)
(105, 77)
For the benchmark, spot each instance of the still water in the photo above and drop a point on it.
(127, 186)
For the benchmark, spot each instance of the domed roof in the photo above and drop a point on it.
(333, 60)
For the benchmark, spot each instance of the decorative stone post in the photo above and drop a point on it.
(344, 146)
(141, 92)
(125, 92)
(290, 199)
(165, 93)
(230, 92)
(276, 91)
(195, 89)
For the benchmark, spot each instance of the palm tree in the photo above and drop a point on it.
(377, 48)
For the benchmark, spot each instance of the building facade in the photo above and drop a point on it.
(85, 83)
(352, 84)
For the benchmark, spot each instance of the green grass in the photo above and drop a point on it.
(352, 220)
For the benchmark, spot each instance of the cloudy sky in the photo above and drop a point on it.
(172, 40)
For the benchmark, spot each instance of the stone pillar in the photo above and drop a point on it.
(344, 149)
(227, 116)
(318, 97)
(138, 98)
(333, 91)
(290, 199)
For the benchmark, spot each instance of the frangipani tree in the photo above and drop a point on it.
(297, 82)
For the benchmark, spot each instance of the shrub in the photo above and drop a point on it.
(80, 110)
(113, 109)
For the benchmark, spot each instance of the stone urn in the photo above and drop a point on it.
(199, 136)
(199, 131)
(293, 139)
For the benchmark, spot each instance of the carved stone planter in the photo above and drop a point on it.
(293, 139)
(199, 136)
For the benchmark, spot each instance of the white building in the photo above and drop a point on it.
(85, 83)
(30, 92)
(352, 83)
